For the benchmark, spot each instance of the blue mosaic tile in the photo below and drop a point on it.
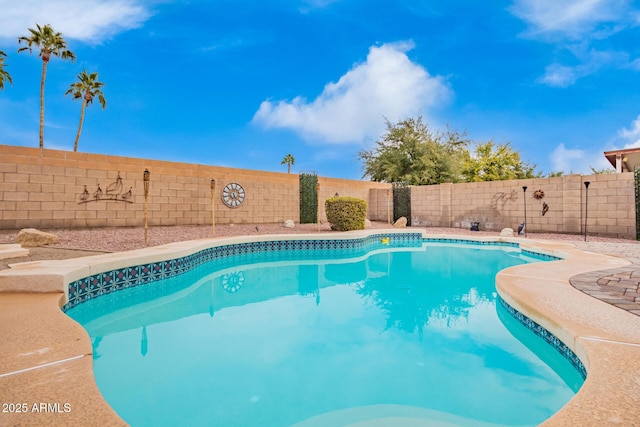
(252, 252)
(548, 337)
(472, 242)
(128, 277)
(541, 256)
(226, 255)
(229, 255)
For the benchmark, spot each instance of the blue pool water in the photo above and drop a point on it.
(312, 338)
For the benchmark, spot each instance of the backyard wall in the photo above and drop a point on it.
(499, 204)
(44, 189)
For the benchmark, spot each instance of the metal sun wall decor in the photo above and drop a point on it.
(233, 195)
(113, 193)
(539, 195)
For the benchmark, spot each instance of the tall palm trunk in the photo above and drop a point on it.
(44, 75)
(75, 145)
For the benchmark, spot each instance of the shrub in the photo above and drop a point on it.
(346, 213)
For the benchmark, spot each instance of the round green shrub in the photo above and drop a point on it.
(346, 213)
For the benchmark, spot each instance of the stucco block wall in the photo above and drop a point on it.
(381, 204)
(364, 190)
(500, 204)
(43, 189)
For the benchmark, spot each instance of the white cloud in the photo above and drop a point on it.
(631, 136)
(592, 60)
(387, 85)
(575, 26)
(570, 18)
(581, 161)
(558, 76)
(89, 20)
(574, 160)
(567, 160)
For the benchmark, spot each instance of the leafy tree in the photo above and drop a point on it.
(496, 162)
(288, 160)
(556, 174)
(50, 43)
(4, 74)
(410, 152)
(86, 88)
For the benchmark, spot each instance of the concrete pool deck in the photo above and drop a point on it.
(46, 358)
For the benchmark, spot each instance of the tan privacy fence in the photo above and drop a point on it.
(59, 189)
(555, 205)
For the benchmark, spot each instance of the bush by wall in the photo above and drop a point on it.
(346, 213)
(308, 198)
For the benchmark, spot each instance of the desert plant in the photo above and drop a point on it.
(4, 74)
(346, 213)
(288, 160)
(86, 88)
(50, 44)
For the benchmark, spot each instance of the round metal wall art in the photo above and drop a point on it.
(233, 195)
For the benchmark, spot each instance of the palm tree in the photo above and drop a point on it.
(86, 88)
(49, 43)
(288, 160)
(4, 75)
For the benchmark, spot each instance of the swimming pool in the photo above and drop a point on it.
(323, 332)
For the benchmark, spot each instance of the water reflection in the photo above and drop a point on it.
(144, 343)
(547, 354)
(412, 286)
(190, 345)
(308, 284)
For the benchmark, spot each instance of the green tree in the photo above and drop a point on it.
(555, 174)
(86, 88)
(496, 162)
(4, 74)
(50, 43)
(288, 160)
(412, 153)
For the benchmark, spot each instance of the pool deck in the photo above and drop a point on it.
(619, 287)
(590, 300)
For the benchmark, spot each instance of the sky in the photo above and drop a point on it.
(242, 83)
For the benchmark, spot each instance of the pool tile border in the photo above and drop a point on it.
(110, 281)
(547, 336)
(104, 283)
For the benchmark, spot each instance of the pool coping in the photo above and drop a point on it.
(56, 351)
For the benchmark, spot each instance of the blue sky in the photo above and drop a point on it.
(242, 83)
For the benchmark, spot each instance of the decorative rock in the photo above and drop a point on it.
(289, 223)
(367, 223)
(400, 222)
(30, 237)
(506, 232)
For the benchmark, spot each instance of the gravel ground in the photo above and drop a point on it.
(83, 242)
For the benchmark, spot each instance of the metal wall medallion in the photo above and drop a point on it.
(233, 195)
